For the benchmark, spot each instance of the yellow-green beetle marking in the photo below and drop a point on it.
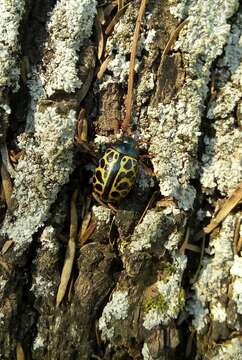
(116, 173)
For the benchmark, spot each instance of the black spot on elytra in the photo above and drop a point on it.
(99, 176)
(121, 176)
(98, 187)
(110, 157)
(128, 165)
(102, 163)
(130, 174)
(123, 186)
(115, 194)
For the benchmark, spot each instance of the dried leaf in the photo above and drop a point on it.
(19, 352)
(6, 246)
(70, 253)
(7, 186)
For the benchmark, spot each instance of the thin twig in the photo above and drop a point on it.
(114, 21)
(172, 39)
(129, 103)
(70, 253)
(103, 68)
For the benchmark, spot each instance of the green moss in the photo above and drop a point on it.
(181, 298)
(169, 269)
(157, 302)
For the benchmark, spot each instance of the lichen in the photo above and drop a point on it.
(116, 309)
(221, 160)
(210, 288)
(169, 299)
(11, 16)
(229, 350)
(175, 127)
(146, 233)
(42, 170)
(146, 353)
(71, 23)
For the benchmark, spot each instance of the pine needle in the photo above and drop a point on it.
(126, 122)
(226, 208)
(70, 253)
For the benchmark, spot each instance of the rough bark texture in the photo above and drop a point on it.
(136, 291)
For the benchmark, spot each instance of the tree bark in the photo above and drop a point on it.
(146, 282)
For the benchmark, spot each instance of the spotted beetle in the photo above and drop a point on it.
(116, 173)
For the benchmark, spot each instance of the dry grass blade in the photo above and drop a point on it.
(226, 208)
(19, 352)
(126, 123)
(103, 68)
(114, 21)
(82, 126)
(6, 161)
(172, 39)
(6, 246)
(120, 4)
(100, 36)
(87, 233)
(237, 237)
(85, 223)
(70, 253)
(7, 186)
(195, 277)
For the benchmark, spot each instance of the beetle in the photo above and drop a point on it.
(116, 173)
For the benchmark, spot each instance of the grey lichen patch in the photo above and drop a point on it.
(115, 310)
(211, 289)
(71, 23)
(222, 167)
(147, 233)
(228, 350)
(44, 167)
(169, 298)
(118, 46)
(44, 284)
(11, 16)
(174, 129)
(101, 217)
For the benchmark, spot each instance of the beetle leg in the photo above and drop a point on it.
(109, 206)
(113, 208)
